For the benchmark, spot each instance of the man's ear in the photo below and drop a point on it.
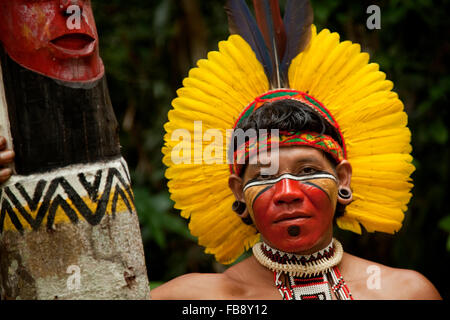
(236, 185)
(344, 173)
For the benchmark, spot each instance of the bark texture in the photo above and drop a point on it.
(54, 125)
(75, 261)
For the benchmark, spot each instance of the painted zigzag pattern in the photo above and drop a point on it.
(108, 187)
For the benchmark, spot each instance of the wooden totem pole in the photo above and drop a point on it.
(68, 224)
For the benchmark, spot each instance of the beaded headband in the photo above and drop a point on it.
(283, 94)
(285, 139)
(305, 138)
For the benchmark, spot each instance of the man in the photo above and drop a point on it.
(292, 204)
(341, 153)
(251, 280)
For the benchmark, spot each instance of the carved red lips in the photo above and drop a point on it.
(74, 44)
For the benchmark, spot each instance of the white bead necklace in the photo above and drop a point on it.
(299, 265)
(312, 276)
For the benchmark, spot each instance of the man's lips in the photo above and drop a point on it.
(74, 44)
(292, 217)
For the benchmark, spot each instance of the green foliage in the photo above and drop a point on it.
(444, 224)
(155, 284)
(156, 217)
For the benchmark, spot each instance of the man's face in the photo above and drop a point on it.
(56, 38)
(293, 209)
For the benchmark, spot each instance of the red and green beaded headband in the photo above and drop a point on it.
(284, 139)
(304, 138)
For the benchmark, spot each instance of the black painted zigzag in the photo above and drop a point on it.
(46, 204)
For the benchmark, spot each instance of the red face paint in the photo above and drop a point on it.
(289, 206)
(56, 38)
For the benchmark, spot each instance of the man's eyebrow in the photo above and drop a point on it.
(307, 159)
(302, 159)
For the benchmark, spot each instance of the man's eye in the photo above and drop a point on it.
(308, 170)
(265, 176)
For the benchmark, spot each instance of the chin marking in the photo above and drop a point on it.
(293, 231)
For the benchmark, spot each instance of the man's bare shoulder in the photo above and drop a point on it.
(244, 280)
(371, 280)
(412, 285)
(193, 286)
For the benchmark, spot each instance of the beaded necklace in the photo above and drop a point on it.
(305, 277)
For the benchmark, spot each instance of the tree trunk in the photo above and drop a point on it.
(68, 224)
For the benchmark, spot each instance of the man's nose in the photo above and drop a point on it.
(288, 191)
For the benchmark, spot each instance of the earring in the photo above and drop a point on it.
(344, 193)
(247, 220)
(240, 207)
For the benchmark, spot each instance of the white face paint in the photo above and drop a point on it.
(253, 183)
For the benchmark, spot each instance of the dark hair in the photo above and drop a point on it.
(289, 115)
(286, 115)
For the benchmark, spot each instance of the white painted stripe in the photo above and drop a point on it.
(70, 174)
(291, 177)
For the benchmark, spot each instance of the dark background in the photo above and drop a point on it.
(148, 48)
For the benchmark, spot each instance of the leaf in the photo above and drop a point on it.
(444, 223)
(156, 217)
(155, 284)
(439, 132)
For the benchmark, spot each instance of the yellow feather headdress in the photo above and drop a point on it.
(370, 115)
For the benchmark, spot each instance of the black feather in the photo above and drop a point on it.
(266, 18)
(242, 22)
(298, 19)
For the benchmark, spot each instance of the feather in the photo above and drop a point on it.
(269, 11)
(242, 22)
(298, 19)
(271, 25)
(371, 117)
